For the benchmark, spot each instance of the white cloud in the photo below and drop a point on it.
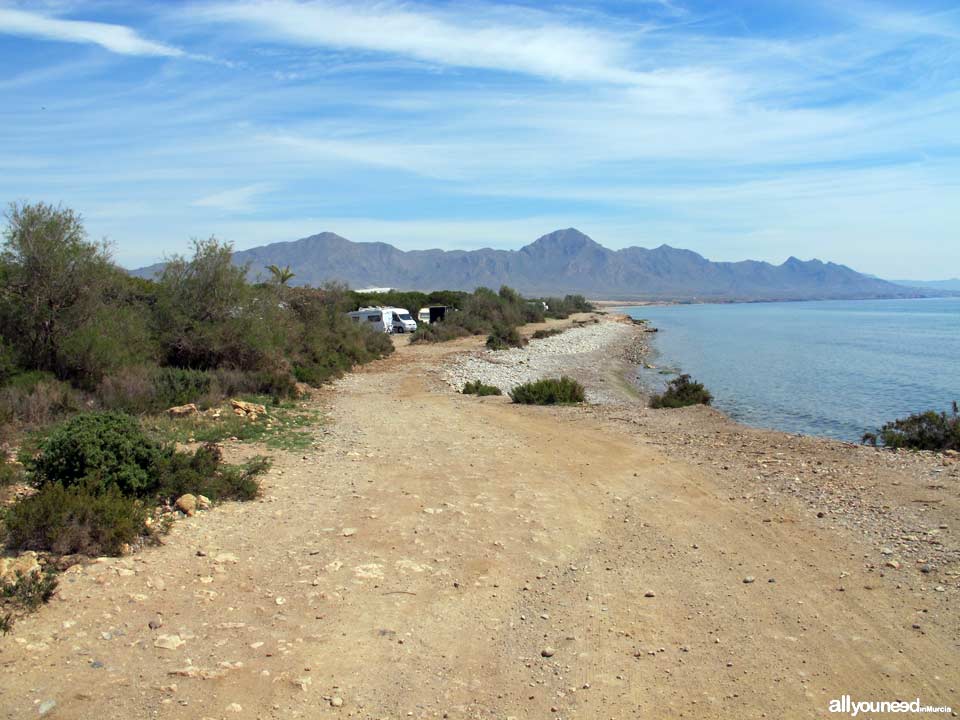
(525, 42)
(115, 38)
(234, 200)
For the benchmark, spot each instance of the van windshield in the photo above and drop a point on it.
(405, 316)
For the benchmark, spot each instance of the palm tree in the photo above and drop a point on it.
(281, 275)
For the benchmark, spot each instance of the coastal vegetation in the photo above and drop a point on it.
(682, 391)
(497, 315)
(77, 332)
(478, 388)
(549, 391)
(929, 430)
(547, 332)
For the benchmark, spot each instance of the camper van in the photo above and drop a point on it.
(402, 322)
(432, 314)
(375, 318)
(385, 319)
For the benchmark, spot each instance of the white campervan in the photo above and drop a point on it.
(379, 319)
(402, 320)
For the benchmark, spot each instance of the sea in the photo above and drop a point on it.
(834, 368)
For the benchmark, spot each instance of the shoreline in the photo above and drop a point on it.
(894, 500)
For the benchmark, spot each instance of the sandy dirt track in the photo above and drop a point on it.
(434, 547)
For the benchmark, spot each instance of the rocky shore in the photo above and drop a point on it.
(596, 352)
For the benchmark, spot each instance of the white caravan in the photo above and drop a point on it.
(385, 319)
(375, 318)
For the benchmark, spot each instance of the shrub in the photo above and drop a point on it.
(80, 519)
(504, 337)
(681, 392)
(548, 332)
(107, 449)
(923, 431)
(9, 472)
(438, 332)
(30, 591)
(203, 473)
(36, 399)
(549, 391)
(478, 388)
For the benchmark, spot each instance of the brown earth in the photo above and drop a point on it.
(422, 560)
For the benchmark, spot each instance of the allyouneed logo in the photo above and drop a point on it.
(854, 707)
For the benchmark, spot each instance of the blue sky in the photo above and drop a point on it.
(737, 129)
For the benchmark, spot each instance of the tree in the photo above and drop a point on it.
(52, 280)
(281, 276)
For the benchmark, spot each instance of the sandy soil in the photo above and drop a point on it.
(448, 556)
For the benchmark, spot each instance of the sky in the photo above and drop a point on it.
(759, 130)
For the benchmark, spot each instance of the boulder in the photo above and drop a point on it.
(183, 410)
(203, 502)
(248, 408)
(187, 504)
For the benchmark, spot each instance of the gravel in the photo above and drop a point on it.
(585, 353)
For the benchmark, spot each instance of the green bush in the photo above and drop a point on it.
(503, 337)
(478, 388)
(107, 449)
(923, 431)
(549, 391)
(203, 473)
(681, 392)
(548, 332)
(80, 519)
(29, 591)
(438, 332)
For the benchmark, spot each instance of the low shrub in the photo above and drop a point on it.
(25, 593)
(10, 473)
(36, 399)
(478, 388)
(923, 431)
(102, 450)
(682, 391)
(439, 332)
(29, 591)
(77, 519)
(549, 391)
(503, 337)
(203, 473)
(548, 332)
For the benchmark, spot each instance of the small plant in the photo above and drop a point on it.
(478, 388)
(547, 332)
(503, 337)
(923, 431)
(25, 593)
(107, 450)
(549, 391)
(203, 473)
(76, 519)
(682, 391)
(10, 473)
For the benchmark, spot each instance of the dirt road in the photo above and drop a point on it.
(447, 556)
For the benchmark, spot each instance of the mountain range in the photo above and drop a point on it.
(564, 261)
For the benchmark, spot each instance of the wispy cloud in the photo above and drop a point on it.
(115, 38)
(542, 45)
(238, 200)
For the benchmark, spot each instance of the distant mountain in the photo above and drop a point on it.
(565, 261)
(952, 284)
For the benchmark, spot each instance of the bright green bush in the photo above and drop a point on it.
(80, 519)
(99, 450)
(682, 391)
(549, 391)
(478, 388)
(923, 431)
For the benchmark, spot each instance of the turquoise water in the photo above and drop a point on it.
(832, 368)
